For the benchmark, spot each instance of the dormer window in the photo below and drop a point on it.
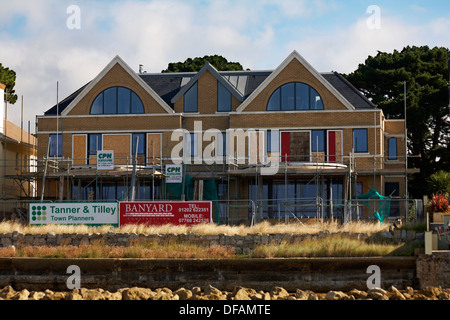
(117, 100)
(223, 98)
(191, 99)
(295, 96)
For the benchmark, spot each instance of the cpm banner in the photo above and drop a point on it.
(170, 212)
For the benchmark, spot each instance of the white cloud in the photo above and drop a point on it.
(42, 50)
(344, 48)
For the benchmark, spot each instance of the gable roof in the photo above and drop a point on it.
(167, 86)
(284, 64)
(90, 85)
(355, 97)
(209, 67)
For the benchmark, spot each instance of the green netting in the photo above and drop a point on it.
(210, 193)
(385, 206)
(173, 191)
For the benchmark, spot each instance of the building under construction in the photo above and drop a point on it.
(274, 144)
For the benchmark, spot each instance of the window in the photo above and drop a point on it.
(141, 143)
(193, 144)
(360, 140)
(55, 145)
(223, 98)
(273, 141)
(94, 143)
(318, 141)
(221, 144)
(392, 152)
(123, 100)
(295, 146)
(295, 96)
(117, 100)
(191, 99)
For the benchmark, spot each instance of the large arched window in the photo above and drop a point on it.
(295, 96)
(117, 100)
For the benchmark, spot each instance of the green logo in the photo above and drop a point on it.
(38, 213)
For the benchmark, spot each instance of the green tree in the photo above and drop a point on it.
(439, 183)
(8, 78)
(381, 78)
(194, 65)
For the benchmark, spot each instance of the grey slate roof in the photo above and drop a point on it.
(168, 85)
(345, 88)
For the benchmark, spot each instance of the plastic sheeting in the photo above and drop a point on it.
(382, 214)
(173, 191)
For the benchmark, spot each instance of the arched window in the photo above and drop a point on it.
(295, 96)
(117, 100)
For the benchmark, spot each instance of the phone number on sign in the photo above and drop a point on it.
(193, 220)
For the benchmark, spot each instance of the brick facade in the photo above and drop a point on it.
(158, 124)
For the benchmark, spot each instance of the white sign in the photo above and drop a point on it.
(92, 213)
(174, 173)
(105, 160)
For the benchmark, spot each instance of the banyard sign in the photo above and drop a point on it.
(91, 213)
(174, 173)
(105, 160)
(158, 213)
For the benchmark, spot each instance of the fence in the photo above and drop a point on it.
(250, 212)
(318, 209)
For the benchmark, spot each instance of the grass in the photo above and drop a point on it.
(330, 246)
(335, 246)
(147, 250)
(262, 227)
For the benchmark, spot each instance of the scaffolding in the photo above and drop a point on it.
(60, 180)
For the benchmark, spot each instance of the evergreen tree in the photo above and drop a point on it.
(194, 65)
(426, 73)
(8, 78)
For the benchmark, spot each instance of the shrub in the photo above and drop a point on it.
(439, 182)
(439, 203)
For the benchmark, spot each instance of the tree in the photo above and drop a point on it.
(426, 73)
(194, 65)
(8, 78)
(439, 183)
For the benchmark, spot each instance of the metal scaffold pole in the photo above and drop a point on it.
(45, 171)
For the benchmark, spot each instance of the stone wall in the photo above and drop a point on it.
(316, 274)
(242, 244)
(434, 269)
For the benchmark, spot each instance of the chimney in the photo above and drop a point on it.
(140, 68)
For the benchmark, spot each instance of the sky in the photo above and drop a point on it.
(70, 41)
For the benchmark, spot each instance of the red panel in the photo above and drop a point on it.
(331, 146)
(285, 146)
(170, 212)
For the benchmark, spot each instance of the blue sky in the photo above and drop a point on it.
(331, 34)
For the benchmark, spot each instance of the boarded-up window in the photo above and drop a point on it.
(295, 146)
(79, 149)
(120, 144)
(256, 148)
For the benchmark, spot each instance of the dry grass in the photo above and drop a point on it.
(336, 246)
(262, 228)
(147, 250)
